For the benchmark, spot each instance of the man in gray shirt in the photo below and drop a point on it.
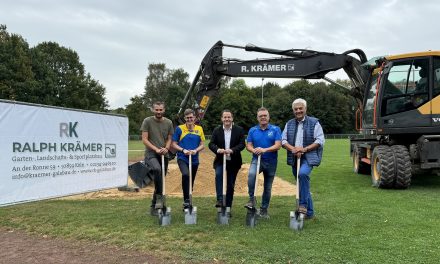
(156, 136)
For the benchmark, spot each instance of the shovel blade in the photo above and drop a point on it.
(296, 221)
(251, 217)
(191, 216)
(223, 215)
(165, 217)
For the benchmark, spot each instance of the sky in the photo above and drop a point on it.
(117, 40)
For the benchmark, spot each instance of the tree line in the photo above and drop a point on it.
(46, 74)
(53, 75)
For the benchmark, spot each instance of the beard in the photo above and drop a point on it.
(158, 115)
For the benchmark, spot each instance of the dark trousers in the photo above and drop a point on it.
(184, 169)
(231, 176)
(156, 170)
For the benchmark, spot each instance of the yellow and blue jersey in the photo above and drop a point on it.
(188, 139)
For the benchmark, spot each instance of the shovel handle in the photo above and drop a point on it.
(256, 175)
(190, 176)
(298, 165)
(224, 179)
(163, 174)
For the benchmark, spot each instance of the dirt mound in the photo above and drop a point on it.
(204, 184)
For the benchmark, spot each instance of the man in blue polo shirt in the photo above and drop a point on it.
(263, 139)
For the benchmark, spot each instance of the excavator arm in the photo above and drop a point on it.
(292, 63)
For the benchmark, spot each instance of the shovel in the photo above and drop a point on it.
(297, 218)
(165, 212)
(191, 212)
(223, 213)
(252, 213)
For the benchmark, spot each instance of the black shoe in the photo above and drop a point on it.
(263, 213)
(302, 210)
(186, 205)
(250, 204)
(219, 204)
(159, 201)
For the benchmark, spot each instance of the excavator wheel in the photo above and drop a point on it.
(383, 167)
(403, 167)
(359, 167)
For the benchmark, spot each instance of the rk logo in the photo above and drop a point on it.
(68, 129)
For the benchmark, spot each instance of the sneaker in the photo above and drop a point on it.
(263, 213)
(219, 204)
(250, 204)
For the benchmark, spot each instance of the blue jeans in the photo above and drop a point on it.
(305, 197)
(268, 170)
(231, 176)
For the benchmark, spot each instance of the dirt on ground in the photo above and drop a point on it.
(204, 184)
(21, 247)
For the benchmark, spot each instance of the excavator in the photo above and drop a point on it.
(398, 97)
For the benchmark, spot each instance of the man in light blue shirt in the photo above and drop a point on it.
(303, 138)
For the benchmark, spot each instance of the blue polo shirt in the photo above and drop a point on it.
(264, 139)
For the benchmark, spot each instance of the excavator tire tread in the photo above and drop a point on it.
(403, 167)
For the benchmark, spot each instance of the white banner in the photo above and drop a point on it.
(48, 152)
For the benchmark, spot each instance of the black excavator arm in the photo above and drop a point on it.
(293, 63)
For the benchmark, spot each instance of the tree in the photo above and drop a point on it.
(177, 87)
(16, 76)
(46, 74)
(237, 97)
(162, 84)
(62, 80)
(277, 100)
(166, 85)
(329, 103)
(156, 88)
(136, 111)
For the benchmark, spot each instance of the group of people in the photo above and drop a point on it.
(302, 137)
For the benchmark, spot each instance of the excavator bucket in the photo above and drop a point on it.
(139, 174)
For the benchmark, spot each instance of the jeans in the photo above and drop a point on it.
(305, 197)
(231, 176)
(156, 171)
(268, 170)
(184, 169)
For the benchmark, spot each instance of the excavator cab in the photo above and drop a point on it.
(404, 103)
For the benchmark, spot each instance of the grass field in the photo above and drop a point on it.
(356, 223)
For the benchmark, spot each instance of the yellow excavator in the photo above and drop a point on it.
(398, 115)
